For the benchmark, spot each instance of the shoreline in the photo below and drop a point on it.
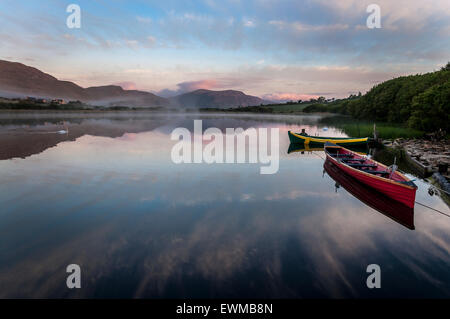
(426, 155)
(161, 110)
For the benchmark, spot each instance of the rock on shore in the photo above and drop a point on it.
(435, 154)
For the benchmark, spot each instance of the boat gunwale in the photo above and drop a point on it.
(319, 139)
(384, 179)
(368, 203)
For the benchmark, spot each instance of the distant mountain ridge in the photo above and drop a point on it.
(19, 80)
(219, 99)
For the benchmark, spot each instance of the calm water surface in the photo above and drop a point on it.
(107, 197)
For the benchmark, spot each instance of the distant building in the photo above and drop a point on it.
(58, 101)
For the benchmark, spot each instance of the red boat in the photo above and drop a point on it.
(386, 180)
(389, 207)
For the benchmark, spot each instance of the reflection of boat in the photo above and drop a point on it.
(307, 139)
(293, 148)
(314, 147)
(386, 180)
(378, 201)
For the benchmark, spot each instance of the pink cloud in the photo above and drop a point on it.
(190, 86)
(127, 85)
(196, 85)
(284, 97)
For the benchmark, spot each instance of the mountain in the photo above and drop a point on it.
(19, 80)
(115, 95)
(215, 99)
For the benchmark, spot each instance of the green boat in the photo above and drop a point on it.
(303, 138)
(316, 147)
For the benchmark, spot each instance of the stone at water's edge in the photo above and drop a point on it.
(443, 183)
(432, 154)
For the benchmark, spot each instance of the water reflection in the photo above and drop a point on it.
(391, 208)
(311, 147)
(112, 201)
(25, 134)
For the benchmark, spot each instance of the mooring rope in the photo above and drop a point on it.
(434, 186)
(436, 210)
(318, 155)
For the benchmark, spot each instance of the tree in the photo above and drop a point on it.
(430, 109)
(446, 68)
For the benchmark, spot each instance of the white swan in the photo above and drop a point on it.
(65, 131)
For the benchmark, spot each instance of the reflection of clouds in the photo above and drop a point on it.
(296, 194)
(217, 244)
(128, 137)
(334, 237)
(219, 230)
(44, 275)
(339, 235)
(245, 197)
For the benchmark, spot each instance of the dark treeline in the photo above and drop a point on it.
(419, 101)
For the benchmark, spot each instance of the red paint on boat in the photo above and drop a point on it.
(373, 174)
(387, 206)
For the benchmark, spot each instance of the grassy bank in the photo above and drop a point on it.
(8, 105)
(356, 128)
(287, 108)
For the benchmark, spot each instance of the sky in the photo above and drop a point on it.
(275, 49)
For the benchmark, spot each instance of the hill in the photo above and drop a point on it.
(215, 99)
(420, 101)
(19, 80)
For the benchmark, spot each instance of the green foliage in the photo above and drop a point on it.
(421, 101)
(329, 108)
(431, 109)
(363, 128)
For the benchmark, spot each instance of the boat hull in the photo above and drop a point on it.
(306, 139)
(403, 193)
(389, 207)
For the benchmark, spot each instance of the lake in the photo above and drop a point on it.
(108, 197)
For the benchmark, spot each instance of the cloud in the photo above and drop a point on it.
(249, 23)
(133, 44)
(297, 26)
(151, 40)
(190, 86)
(127, 85)
(258, 46)
(143, 19)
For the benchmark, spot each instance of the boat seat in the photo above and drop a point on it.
(362, 165)
(354, 160)
(378, 172)
(342, 155)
